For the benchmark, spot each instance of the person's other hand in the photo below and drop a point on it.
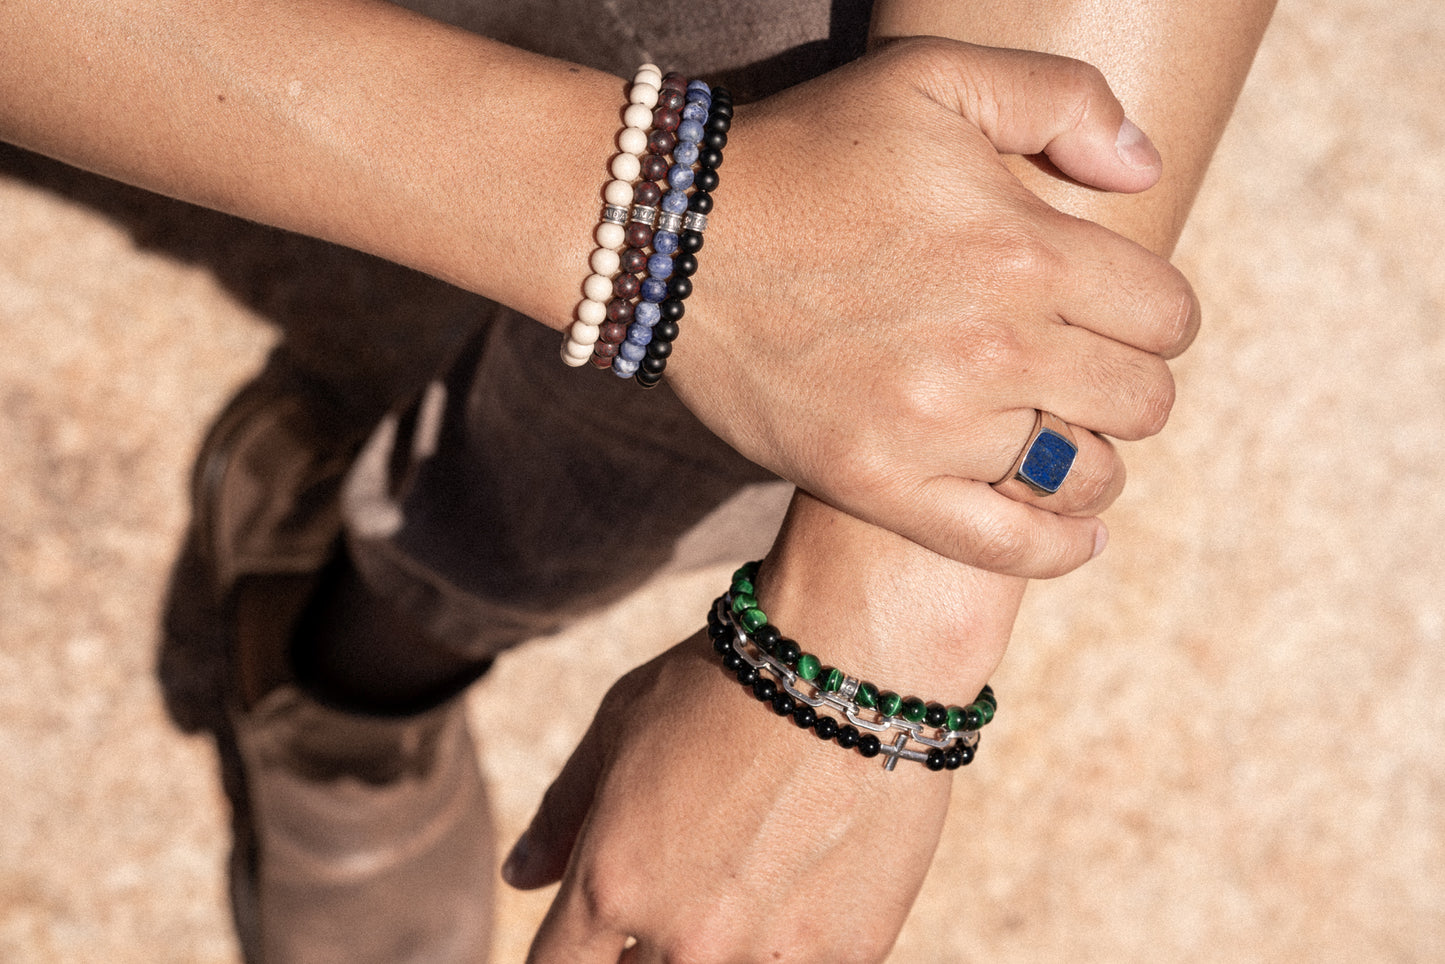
(882, 306)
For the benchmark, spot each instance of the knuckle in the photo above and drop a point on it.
(1156, 401)
(1000, 548)
(1094, 489)
(1019, 256)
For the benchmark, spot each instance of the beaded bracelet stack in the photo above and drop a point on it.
(797, 684)
(651, 228)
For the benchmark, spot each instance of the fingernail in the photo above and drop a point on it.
(1101, 539)
(515, 860)
(1135, 149)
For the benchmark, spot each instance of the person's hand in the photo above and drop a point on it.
(694, 820)
(882, 306)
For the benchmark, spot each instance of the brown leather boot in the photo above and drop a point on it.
(371, 838)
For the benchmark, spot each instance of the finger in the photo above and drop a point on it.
(540, 855)
(1031, 103)
(969, 522)
(1093, 482)
(1099, 384)
(572, 934)
(1121, 290)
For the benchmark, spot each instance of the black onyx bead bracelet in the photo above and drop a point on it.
(797, 684)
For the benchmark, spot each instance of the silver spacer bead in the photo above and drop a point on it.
(644, 214)
(667, 221)
(695, 221)
(849, 689)
(614, 214)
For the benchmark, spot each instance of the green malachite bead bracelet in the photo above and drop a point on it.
(752, 646)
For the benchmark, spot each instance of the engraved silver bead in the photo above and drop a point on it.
(695, 221)
(614, 214)
(644, 214)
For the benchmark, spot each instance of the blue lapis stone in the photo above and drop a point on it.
(699, 87)
(647, 313)
(637, 334)
(689, 131)
(664, 242)
(623, 368)
(679, 177)
(653, 289)
(659, 266)
(632, 351)
(1048, 462)
(694, 110)
(675, 202)
(685, 153)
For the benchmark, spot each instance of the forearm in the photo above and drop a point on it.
(349, 120)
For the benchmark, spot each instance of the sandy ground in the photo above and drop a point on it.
(1222, 741)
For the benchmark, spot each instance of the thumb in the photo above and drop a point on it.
(1032, 103)
(540, 855)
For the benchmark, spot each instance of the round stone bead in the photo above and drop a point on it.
(710, 158)
(631, 351)
(719, 122)
(966, 753)
(626, 286)
(605, 261)
(747, 569)
(659, 348)
(808, 666)
(644, 94)
(632, 260)
(690, 242)
(868, 745)
(743, 601)
(695, 111)
(653, 366)
(783, 704)
(659, 265)
(680, 287)
(707, 179)
(721, 645)
(623, 368)
(679, 177)
(602, 361)
(747, 675)
(672, 309)
(597, 287)
(764, 689)
(787, 651)
(653, 289)
(934, 760)
(752, 618)
(913, 710)
(637, 115)
(619, 193)
(668, 119)
(952, 759)
(699, 87)
(591, 312)
(935, 715)
(675, 202)
(660, 142)
(611, 235)
(647, 313)
(684, 263)
(671, 99)
(665, 331)
(767, 637)
(613, 332)
(644, 380)
(826, 727)
(583, 336)
(638, 335)
(648, 74)
(867, 696)
(731, 661)
(653, 167)
(633, 140)
(619, 309)
(987, 709)
(889, 703)
(626, 167)
(648, 193)
(606, 350)
(804, 716)
(685, 154)
(672, 80)
(712, 138)
(972, 717)
(848, 736)
(638, 235)
(665, 242)
(701, 202)
(690, 131)
(955, 718)
(830, 679)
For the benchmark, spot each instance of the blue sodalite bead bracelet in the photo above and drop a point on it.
(797, 684)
